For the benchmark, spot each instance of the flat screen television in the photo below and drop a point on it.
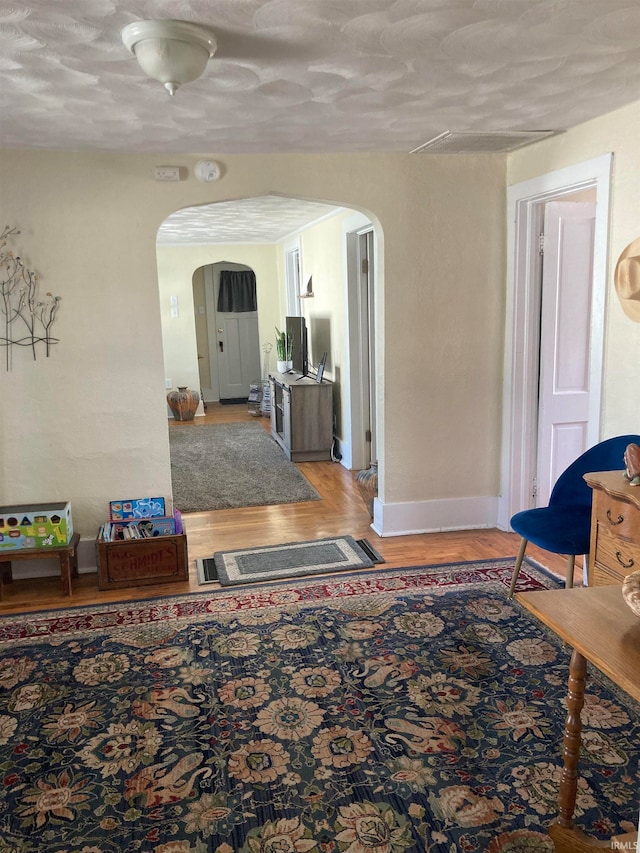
(296, 329)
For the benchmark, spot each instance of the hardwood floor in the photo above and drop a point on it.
(341, 511)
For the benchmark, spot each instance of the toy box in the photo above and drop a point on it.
(35, 525)
(141, 528)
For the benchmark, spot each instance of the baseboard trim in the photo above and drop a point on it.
(404, 519)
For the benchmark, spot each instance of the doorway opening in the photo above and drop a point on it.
(530, 350)
(283, 259)
(227, 340)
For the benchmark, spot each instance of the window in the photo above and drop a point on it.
(292, 272)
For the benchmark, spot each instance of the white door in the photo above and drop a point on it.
(565, 340)
(238, 354)
(234, 347)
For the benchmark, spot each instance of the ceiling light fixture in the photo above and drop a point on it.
(172, 52)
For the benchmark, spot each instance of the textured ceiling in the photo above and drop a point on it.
(310, 75)
(314, 75)
(255, 220)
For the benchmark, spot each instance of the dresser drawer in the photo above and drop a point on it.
(614, 555)
(601, 576)
(618, 517)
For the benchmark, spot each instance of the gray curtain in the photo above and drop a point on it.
(237, 291)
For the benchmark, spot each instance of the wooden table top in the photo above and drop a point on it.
(614, 483)
(598, 623)
(53, 551)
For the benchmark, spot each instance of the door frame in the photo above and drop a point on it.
(525, 212)
(366, 252)
(212, 320)
(355, 451)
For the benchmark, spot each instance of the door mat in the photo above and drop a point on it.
(293, 559)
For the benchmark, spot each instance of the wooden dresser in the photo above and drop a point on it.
(615, 528)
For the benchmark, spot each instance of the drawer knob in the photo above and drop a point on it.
(622, 562)
(618, 520)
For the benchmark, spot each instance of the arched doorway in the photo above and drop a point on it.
(334, 318)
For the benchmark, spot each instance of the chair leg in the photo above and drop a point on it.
(516, 568)
(571, 561)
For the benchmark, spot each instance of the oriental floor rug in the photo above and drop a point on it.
(381, 712)
(225, 466)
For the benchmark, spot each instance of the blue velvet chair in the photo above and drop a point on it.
(564, 526)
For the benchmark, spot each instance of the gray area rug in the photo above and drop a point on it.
(224, 466)
(293, 559)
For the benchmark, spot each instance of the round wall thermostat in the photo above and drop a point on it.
(208, 170)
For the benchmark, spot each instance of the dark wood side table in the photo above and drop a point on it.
(66, 554)
(603, 630)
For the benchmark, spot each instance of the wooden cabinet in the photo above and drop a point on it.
(615, 528)
(302, 416)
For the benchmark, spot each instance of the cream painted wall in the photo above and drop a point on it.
(617, 132)
(89, 424)
(176, 267)
(322, 255)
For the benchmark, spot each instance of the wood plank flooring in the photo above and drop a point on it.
(340, 512)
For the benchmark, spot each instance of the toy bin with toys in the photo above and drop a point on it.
(44, 525)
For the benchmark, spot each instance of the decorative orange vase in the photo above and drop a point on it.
(183, 403)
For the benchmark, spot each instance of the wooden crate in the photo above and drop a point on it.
(135, 562)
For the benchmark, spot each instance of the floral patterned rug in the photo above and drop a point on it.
(388, 711)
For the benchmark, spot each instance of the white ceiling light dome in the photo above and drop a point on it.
(171, 52)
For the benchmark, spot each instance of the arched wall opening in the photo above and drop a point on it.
(334, 314)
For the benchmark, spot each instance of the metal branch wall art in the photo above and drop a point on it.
(26, 320)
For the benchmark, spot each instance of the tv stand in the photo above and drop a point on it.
(302, 416)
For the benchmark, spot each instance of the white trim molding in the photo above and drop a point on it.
(525, 203)
(403, 519)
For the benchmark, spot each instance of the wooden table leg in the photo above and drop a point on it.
(65, 572)
(572, 740)
(565, 836)
(6, 576)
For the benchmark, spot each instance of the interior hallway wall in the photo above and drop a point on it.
(89, 423)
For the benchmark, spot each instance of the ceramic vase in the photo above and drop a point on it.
(284, 366)
(183, 403)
